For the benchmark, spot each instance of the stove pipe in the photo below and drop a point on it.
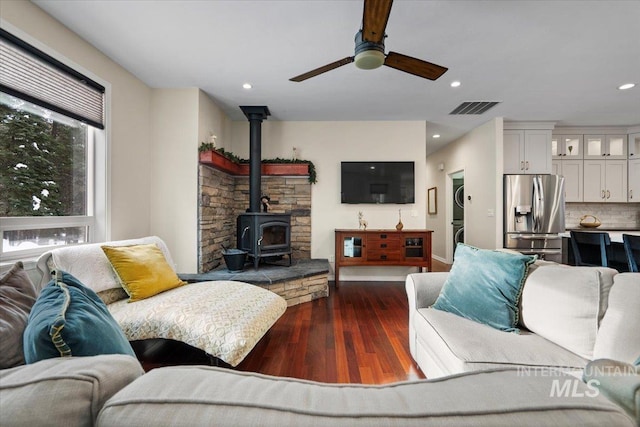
(255, 114)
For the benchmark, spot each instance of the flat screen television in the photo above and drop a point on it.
(377, 182)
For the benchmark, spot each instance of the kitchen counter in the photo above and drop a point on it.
(614, 234)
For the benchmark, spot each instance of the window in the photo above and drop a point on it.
(52, 180)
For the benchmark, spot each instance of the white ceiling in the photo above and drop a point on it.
(555, 61)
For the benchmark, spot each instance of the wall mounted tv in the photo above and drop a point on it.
(377, 182)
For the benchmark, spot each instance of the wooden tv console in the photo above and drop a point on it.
(410, 248)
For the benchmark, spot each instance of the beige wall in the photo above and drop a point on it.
(174, 173)
(181, 120)
(211, 119)
(479, 155)
(326, 144)
(128, 114)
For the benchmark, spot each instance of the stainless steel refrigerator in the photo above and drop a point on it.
(534, 214)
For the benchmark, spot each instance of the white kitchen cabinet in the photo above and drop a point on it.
(605, 180)
(566, 146)
(634, 180)
(634, 146)
(571, 170)
(605, 146)
(527, 151)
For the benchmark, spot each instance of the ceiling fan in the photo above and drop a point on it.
(369, 52)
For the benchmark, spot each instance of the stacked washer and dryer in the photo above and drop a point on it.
(458, 211)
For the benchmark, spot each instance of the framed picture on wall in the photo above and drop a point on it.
(432, 201)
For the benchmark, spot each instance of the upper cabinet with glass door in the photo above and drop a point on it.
(605, 147)
(566, 147)
(634, 146)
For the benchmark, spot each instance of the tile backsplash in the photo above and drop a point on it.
(612, 215)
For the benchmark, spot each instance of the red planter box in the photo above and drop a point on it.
(218, 161)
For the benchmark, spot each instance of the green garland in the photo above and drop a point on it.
(207, 146)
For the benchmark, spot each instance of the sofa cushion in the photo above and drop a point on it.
(484, 286)
(565, 304)
(618, 337)
(17, 296)
(455, 344)
(142, 270)
(69, 391)
(69, 319)
(205, 395)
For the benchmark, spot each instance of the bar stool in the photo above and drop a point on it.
(632, 249)
(590, 248)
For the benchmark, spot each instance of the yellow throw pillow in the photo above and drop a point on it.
(142, 269)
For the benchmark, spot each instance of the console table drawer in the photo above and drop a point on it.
(383, 255)
(387, 242)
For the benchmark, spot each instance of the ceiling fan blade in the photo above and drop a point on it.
(374, 19)
(323, 69)
(414, 66)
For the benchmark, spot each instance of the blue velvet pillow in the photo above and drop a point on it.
(485, 286)
(69, 319)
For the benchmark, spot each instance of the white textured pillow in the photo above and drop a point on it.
(89, 264)
(566, 304)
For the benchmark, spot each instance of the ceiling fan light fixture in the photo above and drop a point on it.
(369, 59)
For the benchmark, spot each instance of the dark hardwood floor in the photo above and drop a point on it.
(359, 334)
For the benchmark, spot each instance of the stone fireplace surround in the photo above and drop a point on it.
(223, 196)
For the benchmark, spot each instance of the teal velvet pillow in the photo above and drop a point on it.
(485, 286)
(69, 319)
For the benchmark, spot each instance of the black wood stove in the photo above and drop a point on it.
(261, 234)
(264, 235)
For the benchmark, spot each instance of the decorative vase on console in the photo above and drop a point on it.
(400, 225)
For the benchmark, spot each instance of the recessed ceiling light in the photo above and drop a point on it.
(455, 84)
(626, 86)
(247, 86)
(436, 135)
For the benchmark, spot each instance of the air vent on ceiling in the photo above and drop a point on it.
(474, 107)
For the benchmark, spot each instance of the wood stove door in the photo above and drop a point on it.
(274, 237)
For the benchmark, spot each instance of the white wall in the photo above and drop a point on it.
(479, 154)
(128, 115)
(326, 144)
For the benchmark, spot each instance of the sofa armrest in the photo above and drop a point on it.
(618, 381)
(72, 389)
(617, 337)
(423, 289)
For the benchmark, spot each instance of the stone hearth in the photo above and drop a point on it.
(305, 280)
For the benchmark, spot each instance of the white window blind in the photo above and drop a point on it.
(31, 74)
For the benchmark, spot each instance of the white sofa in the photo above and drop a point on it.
(569, 316)
(225, 319)
(113, 390)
